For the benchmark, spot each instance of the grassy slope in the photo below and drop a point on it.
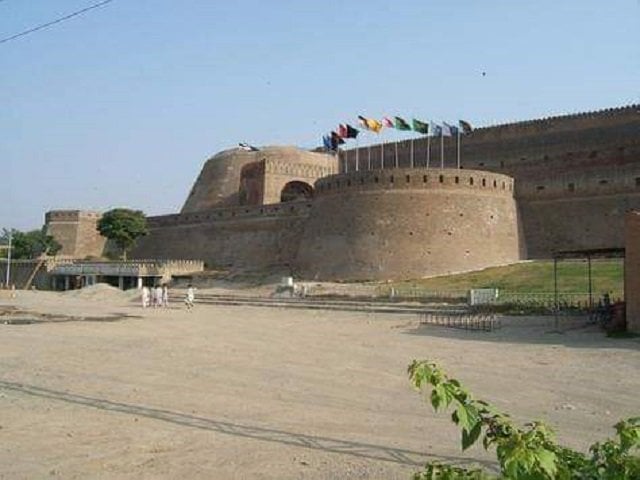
(532, 277)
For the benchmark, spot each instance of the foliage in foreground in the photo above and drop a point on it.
(524, 453)
(124, 227)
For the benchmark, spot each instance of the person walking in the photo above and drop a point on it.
(145, 297)
(165, 296)
(157, 297)
(190, 297)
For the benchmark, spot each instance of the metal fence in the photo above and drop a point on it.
(486, 322)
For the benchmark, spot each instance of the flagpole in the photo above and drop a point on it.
(357, 165)
(357, 149)
(369, 153)
(458, 158)
(396, 145)
(382, 155)
(412, 165)
(442, 147)
(428, 149)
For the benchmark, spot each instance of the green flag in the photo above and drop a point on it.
(401, 124)
(420, 127)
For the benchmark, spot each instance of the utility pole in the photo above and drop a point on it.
(9, 259)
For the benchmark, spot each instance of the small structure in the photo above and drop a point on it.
(73, 274)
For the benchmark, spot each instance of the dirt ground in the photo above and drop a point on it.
(264, 393)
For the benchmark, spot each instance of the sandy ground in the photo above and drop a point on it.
(244, 393)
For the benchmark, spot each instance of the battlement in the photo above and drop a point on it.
(557, 123)
(416, 178)
(70, 215)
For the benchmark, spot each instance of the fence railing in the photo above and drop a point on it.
(486, 322)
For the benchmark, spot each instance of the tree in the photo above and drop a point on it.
(524, 453)
(31, 244)
(124, 227)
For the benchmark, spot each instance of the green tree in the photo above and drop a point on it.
(31, 244)
(124, 227)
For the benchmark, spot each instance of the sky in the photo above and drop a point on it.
(120, 107)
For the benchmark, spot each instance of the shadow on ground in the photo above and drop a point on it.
(568, 332)
(327, 444)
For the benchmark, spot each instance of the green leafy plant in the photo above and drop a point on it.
(31, 244)
(124, 227)
(524, 453)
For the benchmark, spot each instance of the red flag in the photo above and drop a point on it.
(386, 121)
(342, 131)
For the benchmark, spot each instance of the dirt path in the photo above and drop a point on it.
(236, 393)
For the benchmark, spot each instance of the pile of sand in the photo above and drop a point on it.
(101, 291)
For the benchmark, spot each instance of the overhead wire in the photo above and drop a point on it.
(53, 22)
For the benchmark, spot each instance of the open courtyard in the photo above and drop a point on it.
(100, 388)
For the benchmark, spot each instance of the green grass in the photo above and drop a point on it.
(533, 277)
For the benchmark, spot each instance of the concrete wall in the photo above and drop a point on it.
(409, 223)
(76, 231)
(240, 237)
(20, 272)
(632, 270)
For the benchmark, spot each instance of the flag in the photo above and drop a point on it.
(420, 127)
(326, 141)
(248, 148)
(370, 124)
(342, 131)
(401, 124)
(446, 130)
(435, 130)
(352, 132)
(465, 127)
(386, 122)
(336, 140)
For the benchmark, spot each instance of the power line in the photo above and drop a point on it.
(53, 22)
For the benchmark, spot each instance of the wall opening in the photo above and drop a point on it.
(296, 191)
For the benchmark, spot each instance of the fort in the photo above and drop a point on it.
(523, 190)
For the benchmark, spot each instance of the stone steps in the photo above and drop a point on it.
(327, 304)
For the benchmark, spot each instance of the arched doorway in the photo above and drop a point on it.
(296, 190)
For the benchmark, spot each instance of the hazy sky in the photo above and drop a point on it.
(121, 106)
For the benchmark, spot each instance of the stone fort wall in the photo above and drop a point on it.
(408, 223)
(575, 175)
(76, 231)
(249, 237)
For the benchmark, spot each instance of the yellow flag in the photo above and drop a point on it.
(374, 125)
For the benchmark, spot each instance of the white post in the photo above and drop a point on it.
(139, 283)
(121, 282)
(458, 157)
(67, 283)
(9, 259)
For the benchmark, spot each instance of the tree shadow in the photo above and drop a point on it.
(572, 332)
(327, 444)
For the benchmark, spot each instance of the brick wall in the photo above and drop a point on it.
(632, 270)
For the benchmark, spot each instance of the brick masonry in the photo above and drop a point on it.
(632, 270)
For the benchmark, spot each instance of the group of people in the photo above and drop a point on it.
(155, 296)
(159, 297)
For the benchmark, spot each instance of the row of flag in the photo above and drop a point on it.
(345, 131)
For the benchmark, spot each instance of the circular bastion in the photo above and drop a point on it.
(409, 223)
(218, 184)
